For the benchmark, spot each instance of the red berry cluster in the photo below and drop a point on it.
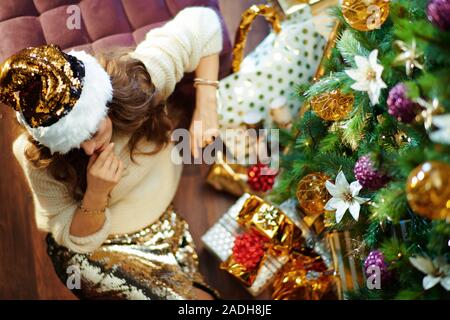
(261, 177)
(248, 249)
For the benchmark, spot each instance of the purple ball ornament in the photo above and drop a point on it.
(400, 106)
(368, 175)
(438, 12)
(376, 258)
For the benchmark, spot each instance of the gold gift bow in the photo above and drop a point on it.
(247, 277)
(248, 17)
(284, 236)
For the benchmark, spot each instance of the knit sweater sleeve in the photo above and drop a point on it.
(55, 207)
(177, 47)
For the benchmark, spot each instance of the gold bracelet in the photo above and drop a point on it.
(200, 81)
(91, 211)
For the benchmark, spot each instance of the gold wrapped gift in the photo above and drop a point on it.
(271, 222)
(247, 277)
(283, 235)
(304, 277)
(231, 178)
(262, 216)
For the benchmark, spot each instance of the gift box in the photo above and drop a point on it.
(347, 261)
(310, 273)
(340, 252)
(348, 253)
(231, 178)
(304, 277)
(279, 231)
(238, 179)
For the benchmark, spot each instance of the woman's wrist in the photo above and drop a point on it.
(208, 68)
(94, 200)
(90, 216)
(207, 95)
(200, 82)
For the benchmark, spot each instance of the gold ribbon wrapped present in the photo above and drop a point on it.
(304, 277)
(272, 223)
(231, 178)
(252, 213)
(282, 237)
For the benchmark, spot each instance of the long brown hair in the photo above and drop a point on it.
(134, 109)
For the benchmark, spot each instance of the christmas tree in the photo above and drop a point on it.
(371, 149)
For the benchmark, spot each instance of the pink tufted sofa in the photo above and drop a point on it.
(104, 23)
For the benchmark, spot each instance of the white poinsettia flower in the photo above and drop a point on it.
(368, 76)
(344, 197)
(437, 271)
(442, 135)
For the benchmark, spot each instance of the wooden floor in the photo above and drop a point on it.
(26, 271)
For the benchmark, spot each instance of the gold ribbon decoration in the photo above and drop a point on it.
(247, 277)
(244, 27)
(331, 43)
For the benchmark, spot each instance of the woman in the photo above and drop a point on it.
(97, 155)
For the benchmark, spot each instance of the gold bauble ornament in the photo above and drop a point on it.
(312, 194)
(332, 106)
(428, 190)
(365, 15)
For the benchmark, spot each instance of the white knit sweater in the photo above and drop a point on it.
(148, 187)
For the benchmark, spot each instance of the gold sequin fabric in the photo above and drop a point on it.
(158, 262)
(43, 83)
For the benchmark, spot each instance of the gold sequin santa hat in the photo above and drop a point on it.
(60, 98)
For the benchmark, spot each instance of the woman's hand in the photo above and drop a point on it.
(104, 171)
(205, 125)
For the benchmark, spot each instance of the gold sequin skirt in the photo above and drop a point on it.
(158, 262)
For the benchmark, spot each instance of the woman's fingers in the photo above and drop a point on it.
(92, 160)
(119, 171)
(195, 143)
(114, 164)
(103, 157)
(209, 136)
(108, 162)
(201, 139)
